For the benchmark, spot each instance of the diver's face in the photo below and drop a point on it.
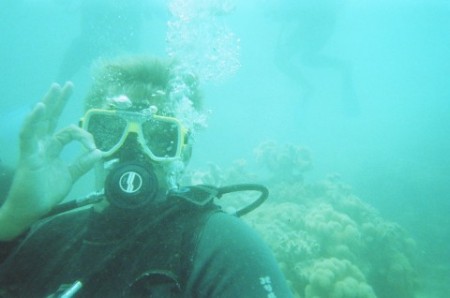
(139, 147)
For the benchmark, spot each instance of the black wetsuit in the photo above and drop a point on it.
(173, 249)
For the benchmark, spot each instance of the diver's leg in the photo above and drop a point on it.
(288, 61)
(349, 99)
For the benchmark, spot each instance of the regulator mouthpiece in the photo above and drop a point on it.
(131, 185)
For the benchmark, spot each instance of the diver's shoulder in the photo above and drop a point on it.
(223, 227)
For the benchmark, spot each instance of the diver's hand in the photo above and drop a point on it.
(42, 179)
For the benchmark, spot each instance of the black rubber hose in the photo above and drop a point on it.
(246, 187)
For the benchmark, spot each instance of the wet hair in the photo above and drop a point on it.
(145, 81)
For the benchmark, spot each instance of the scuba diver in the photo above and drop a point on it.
(306, 28)
(141, 234)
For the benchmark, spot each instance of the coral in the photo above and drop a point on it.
(285, 163)
(328, 242)
(337, 231)
(389, 247)
(282, 226)
(335, 278)
(214, 175)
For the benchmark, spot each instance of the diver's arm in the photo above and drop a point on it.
(42, 179)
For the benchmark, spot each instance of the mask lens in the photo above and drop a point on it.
(161, 137)
(107, 130)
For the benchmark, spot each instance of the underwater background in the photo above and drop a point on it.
(341, 107)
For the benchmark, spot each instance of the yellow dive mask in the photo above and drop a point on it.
(162, 138)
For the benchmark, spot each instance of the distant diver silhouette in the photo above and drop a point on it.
(308, 25)
(108, 27)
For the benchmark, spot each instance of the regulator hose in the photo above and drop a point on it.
(245, 187)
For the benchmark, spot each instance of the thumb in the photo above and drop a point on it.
(84, 163)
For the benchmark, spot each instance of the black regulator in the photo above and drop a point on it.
(131, 185)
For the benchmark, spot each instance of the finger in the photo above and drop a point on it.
(51, 97)
(59, 104)
(84, 163)
(67, 135)
(55, 99)
(66, 92)
(32, 128)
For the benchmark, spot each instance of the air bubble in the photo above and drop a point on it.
(199, 38)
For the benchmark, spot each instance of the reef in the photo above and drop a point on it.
(328, 242)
